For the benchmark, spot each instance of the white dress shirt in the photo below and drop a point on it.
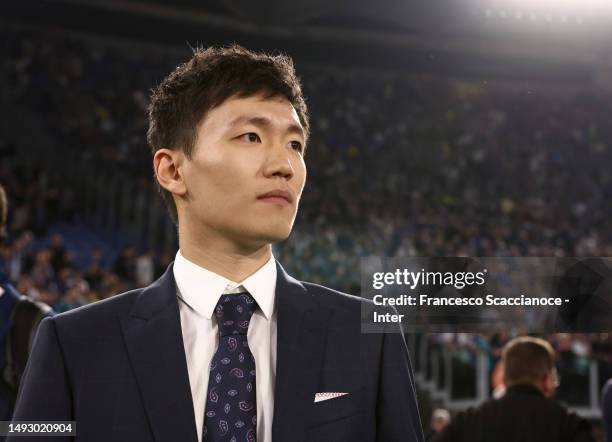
(198, 291)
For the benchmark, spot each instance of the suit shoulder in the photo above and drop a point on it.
(103, 310)
(336, 298)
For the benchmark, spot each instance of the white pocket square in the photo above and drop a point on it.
(324, 396)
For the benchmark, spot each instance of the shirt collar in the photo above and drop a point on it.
(200, 288)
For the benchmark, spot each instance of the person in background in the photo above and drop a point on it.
(145, 268)
(19, 319)
(526, 412)
(440, 418)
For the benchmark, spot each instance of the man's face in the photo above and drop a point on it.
(245, 148)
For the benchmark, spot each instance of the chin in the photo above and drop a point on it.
(255, 238)
(273, 237)
(276, 234)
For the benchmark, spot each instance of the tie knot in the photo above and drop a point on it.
(233, 313)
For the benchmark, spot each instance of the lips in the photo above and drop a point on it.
(277, 194)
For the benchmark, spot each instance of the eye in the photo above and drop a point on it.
(296, 145)
(250, 137)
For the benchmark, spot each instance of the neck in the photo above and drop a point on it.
(223, 258)
(538, 386)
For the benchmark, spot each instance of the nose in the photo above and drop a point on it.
(278, 163)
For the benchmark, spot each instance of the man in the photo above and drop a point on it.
(19, 319)
(225, 345)
(526, 412)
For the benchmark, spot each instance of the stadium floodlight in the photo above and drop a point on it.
(550, 11)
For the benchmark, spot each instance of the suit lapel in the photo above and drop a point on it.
(154, 341)
(301, 331)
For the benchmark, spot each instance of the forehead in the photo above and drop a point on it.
(277, 109)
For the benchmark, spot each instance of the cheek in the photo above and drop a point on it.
(300, 174)
(204, 186)
(220, 181)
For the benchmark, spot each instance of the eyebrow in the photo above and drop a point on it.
(265, 123)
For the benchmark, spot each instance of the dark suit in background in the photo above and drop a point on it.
(19, 321)
(118, 368)
(8, 300)
(523, 414)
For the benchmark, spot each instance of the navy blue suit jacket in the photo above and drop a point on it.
(118, 368)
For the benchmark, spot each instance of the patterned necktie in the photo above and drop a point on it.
(231, 407)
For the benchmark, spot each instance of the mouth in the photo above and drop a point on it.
(277, 197)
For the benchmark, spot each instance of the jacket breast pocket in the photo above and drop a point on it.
(338, 408)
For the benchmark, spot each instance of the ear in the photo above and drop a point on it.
(547, 385)
(167, 164)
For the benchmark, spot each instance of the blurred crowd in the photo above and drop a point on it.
(397, 165)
